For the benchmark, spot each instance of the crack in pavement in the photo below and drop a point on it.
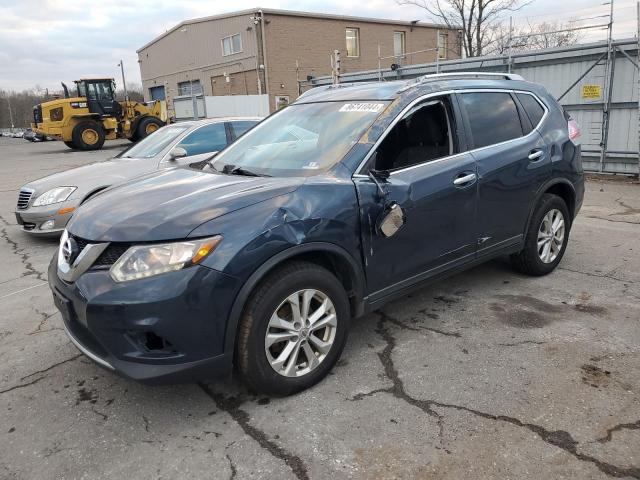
(234, 471)
(629, 210)
(23, 385)
(604, 275)
(418, 328)
(43, 319)
(617, 428)
(25, 258)
(523, 342)
(52, 366)
(231, 405)
(612, 220)
(557, 438)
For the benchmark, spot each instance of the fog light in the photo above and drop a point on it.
(48, 225)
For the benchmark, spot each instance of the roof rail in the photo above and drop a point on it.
(437, 76)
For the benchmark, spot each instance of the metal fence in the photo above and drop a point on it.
(601, 95)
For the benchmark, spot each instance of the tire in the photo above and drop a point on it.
(88, 135)
(70, 145)
(254, 358)
(146, 127)
(538, 260)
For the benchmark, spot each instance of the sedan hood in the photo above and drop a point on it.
(96, 175)
(169, 204)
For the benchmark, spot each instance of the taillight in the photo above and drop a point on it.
(574, 131)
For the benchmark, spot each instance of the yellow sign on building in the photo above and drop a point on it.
(591, 91)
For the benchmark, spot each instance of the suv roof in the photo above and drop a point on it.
(428, 83)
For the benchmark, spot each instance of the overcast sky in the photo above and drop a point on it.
(43, 42)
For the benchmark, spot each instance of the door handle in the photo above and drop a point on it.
(536, 155)
(470, 177)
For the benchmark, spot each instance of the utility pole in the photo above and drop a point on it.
(124, 83)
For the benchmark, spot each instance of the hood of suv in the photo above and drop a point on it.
(169, 204)
(96, 175)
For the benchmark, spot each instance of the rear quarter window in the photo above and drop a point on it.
(534, 110)
(493, 117)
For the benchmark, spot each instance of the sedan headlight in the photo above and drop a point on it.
(55, 195)
(144, 261)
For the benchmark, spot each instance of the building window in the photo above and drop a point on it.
(353, 42)
(232, 44)
(443, 46)
(399, 44)
(185, 88)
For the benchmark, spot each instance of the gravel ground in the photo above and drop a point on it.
(489, 374)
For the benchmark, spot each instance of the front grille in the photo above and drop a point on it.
(111, 255)
(23, 198)
(107, 258)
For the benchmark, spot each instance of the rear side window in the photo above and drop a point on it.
(240, 127)
(534, 110)
(493, 117)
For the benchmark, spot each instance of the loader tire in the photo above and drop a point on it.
(88, 135)
(147, 126)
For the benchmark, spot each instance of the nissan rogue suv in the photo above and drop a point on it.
(328, 209)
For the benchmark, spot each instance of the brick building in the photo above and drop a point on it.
(274, 52)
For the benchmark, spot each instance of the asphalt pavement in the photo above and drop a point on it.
(488, 374)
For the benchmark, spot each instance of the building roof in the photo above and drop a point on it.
(293, 13)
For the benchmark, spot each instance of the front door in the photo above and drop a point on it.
(513, 163)
(434, 184)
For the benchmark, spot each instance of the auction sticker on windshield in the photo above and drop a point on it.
(362, 107)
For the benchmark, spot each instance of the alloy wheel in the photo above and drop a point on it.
(551, 236)
(300, 333)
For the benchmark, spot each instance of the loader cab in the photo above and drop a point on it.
(101, 96)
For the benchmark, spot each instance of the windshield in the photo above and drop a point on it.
(154, 143)
(300, 140)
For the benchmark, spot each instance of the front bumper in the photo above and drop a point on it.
(33, 221)
(164, 329)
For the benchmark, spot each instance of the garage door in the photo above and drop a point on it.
(157, 93)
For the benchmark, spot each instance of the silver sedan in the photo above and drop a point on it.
(46, 205)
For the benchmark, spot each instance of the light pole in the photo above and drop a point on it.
(124, 83)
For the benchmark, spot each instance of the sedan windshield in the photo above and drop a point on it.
(300, 140)
(155, 143)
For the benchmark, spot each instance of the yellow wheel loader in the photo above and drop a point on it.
(85, 121)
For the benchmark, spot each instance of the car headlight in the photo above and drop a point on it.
(55, 195)
(144, 261)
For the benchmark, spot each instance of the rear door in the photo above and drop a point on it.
(513, 163)
(239, 127)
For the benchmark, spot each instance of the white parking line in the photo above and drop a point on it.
(23, 290)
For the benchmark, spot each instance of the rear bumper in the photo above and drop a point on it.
(111, 323)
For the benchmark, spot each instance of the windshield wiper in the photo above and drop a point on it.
(237, 170)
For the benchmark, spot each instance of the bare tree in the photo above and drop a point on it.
(474, 18)
(531, 37)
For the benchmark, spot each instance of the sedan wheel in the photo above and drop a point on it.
(301, 333)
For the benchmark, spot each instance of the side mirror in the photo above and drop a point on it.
(391, 220)
(176, 153)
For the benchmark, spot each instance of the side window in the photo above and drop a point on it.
(534, 110)
(422, 135)
(493, 117)
(210, 138)
(238, 128)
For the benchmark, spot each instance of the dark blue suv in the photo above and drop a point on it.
(328, 209)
